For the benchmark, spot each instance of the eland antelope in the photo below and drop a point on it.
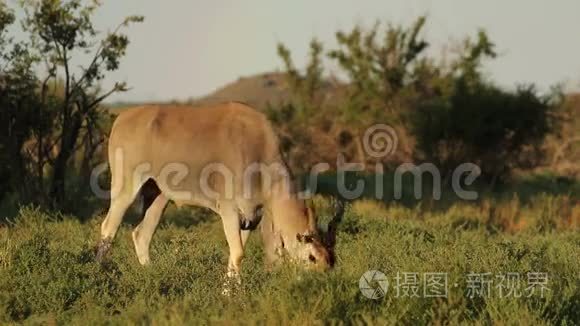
(226, 158)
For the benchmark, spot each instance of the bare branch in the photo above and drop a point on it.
(94, 63)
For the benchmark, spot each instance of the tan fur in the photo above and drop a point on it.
(233, 135)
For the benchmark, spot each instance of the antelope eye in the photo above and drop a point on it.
(312, 258)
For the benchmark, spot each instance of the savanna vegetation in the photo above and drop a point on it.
(52, 121)
(444, 109)
(48, 273)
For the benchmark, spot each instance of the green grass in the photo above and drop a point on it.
(48, 273)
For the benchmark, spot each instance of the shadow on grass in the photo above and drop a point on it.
(384, 188)
(184, 217)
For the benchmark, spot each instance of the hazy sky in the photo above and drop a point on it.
(189, 48)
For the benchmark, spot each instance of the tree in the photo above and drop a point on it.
(453, 113)
(479, 122)
(18, 101)
(50, 114)
(59, 31)
(305, 87)
(379, 70)
(385, 70)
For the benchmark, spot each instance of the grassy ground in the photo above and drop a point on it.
(48, 273)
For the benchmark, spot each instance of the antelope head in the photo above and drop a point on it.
(316, 247)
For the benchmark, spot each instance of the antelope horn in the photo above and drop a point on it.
(339, 207)
(310, 215)
(312, 225)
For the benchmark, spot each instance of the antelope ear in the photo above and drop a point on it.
(300, 237)
(311, 216)
(310, 212)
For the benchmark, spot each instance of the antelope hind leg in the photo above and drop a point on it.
(144, 231)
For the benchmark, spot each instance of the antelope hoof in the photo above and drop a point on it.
(230, 288)
(232, 284)
(103, 248)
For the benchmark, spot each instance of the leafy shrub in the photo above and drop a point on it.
(485, 125)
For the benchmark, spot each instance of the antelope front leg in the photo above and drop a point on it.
(232, 230)
(272, 242)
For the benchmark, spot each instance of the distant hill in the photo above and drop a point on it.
(258, 91)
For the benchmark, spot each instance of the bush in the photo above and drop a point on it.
(454, 113)
(485, 125)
